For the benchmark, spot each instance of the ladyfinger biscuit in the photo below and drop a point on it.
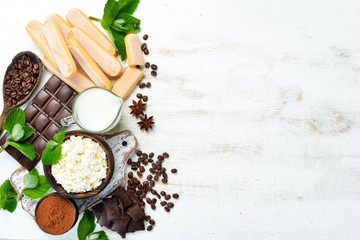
(127, 81)
(63, 25)
(77, 18)
(107, 62)
(35, 29)
(133, 50)
(78, 82)
(89, 66)
(59, 49)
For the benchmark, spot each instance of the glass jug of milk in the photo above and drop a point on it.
(95, 110)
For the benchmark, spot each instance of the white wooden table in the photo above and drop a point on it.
(257, 104)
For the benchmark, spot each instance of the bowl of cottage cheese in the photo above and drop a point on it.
(85, 167)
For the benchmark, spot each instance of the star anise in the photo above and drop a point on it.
(137, 108)
(146, 122)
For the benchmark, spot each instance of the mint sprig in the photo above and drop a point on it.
(36, 186)
(52, 151)
(8, 197)
(18, 133)
(117, 20)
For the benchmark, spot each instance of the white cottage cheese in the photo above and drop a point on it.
(82, 165)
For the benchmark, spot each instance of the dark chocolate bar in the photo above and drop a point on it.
(120, 225)
(112, 208)
(52, 103)
(135, 226)
(124, 199)
(136, 213)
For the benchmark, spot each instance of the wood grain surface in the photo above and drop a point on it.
(257, 103)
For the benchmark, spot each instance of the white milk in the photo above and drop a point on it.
(96, 109)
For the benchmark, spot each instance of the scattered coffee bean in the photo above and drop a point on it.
(146, 183)
(139, 153)
(147, 217)
(138, 66)
(148, 200)
(163, 193)
(145, 37)
(142, 85)
(163, 203)
(167, 197)
(149, 177)
(152, 221)
(153, 200)
(149, 228)
(152, 183)
(164, 180)
(156, 178)
(153, 73)
(139, 95)
(166, 155)
(146, 51)
(148, 84)
(134, 25)
(145, 98)
(160, 157)
(151, 155)
(151, 160)
(130, 175)
(175, 195)
(170, 205)
(139, 174)
(164, 175)
(174, 170)
(145, 156)
(143, 46)
(153, 206)
(147, 64)
(153, 66)
(142, 169)
(167, 209)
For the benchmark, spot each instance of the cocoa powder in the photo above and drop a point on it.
(55, 214)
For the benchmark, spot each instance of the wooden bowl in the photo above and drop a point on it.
(110, 162)
(72, 202)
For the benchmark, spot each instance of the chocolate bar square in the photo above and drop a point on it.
(112, 208)
(136, 213)
(120, 225)
(135, 226)
(124, 198)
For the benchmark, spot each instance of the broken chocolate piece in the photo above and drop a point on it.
(131, 194)
(120, 225)
(135, 226)
(124, 198)
(136, 213)
(112, 208)
(103, 220)
(97, 209)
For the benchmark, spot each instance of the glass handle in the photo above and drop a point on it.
(67, 121)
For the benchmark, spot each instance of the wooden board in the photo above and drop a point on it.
(123, 144)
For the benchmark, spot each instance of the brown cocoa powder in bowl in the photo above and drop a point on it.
(55, 214)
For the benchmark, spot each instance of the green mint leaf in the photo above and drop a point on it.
(86, 225)
(51, 156)
(127, 6)
(31, 179)
(25, 148)
(28, 132)
(17, 133)
(119, 40)
(60, 136)
(16, 115)
(51, 144)
(101, 235)
(40, 190)
(8, 196)
(111, 9)
(128, 24)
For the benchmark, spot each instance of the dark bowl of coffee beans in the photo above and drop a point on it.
(21, 79)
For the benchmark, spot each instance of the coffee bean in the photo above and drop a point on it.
(149, 177)
(174, 170)
(153, 200)
(143, 46)
(151, 155)
(151, 160)
(175, 195)
(156, 178)
(152, 221)
(163, 170)
(164, 180)
(149, 228)
(153, 73)
(130, 175)
(152, 183)
(158, 163)
(146, 183)
(148, 84)
(139, 95)
(147, 64)
(145, 37)
(167, 209)
(170, 205)
(160, 157)
(139, 153)
(164, 175)
(144, 155)
(145, 98)
(142, 85)
(163, 203)
(151, 171)
(153, 206)
(142, 169)
(167, 197)
(139, 174)
(142, 203)
(147, 217)
(146, 51)
(153, 66)
(148, 200)
(138, 66)
(134, 25)
(141, 159)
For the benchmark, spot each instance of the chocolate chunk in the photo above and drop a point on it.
(103, 220)
(112, 208)
(97, 209)
(124, 198)
(120, 225)
(132, 196)
(135, 226)
(136, 213)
